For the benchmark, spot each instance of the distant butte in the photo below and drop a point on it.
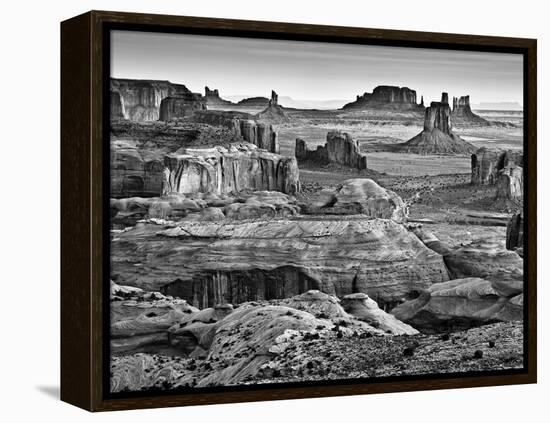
(386, 96)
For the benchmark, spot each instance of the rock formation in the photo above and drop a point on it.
(359, 196)
(117, 107)
(437, 136)
(135, 172)
(254, 102)
(487, 162)
(385, 96)
(273, 112)
(182, 106)
(364, 308)
(140, 99)
(514, 233)
(510, 184)
(229, 170)
(214, 100)
(303, 153)
(480, 259)
(344, 150)
(340, 148)
(243, 125)
(462, 303)
(462, 113)
(234, 262)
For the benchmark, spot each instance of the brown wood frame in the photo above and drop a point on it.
(82, 211)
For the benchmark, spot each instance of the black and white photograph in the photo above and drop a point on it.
(304, 212)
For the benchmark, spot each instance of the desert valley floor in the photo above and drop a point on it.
(253, 243)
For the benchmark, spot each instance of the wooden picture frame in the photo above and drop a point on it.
(84, 123)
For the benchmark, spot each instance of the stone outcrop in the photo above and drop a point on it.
(462, 112)
(359, 196)
(243, 125)
(385, 96)
(230, 262)
(135, 172)
(462, 303)
(487, 162)
(510, 184)
(514, 233)
(182, 106)
(480, 259)
(140, 99)
(304, 154)
(364, 308)
(340, 148)
(273, 112)
(117, 107)
(254, 102)
(437, 136)
(213, 99)
(229, 170)
(344, 150)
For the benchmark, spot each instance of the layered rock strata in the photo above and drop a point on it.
(385, 96)
(182, 106)
(510, 184)
(136, 172)
(218, 262)
(463, 303)
(462, 112)
(487, 162)
(437, 136)
(514, 233)
(359, 196)
(340, 148)
(230, 170)
(242, 125)
(140, 99)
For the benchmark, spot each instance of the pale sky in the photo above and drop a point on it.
(313, 71)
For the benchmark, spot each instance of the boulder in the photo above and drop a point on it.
(360, 196)
(364, 308)
(223, 170)
(459, 304)
(233, 262)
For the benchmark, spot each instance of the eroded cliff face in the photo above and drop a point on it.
(385, 96)
(179, 107)
(340, 148)
(510, 184)
(135, 173)
(376, 256)
(437, 136)
(223, 170)
(243, 125)
(141, 99)
(487, 162)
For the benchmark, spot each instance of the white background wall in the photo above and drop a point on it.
(29, 138)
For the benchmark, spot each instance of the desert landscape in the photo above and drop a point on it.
(288, 212)
(256, 243)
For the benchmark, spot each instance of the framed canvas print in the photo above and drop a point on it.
(258, 211)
